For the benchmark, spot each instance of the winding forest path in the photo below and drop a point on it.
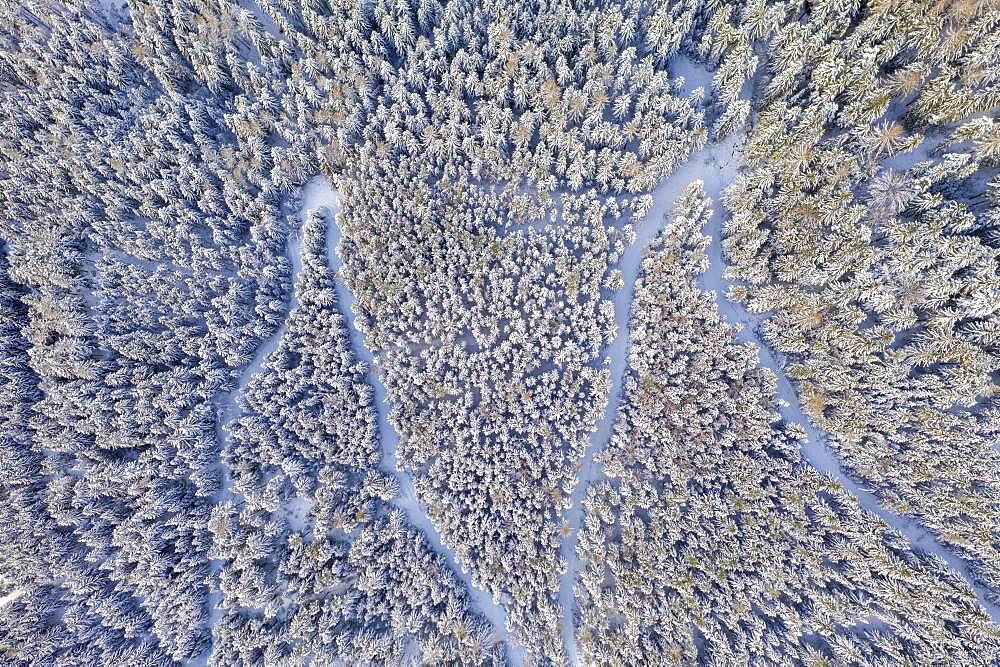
(318, 194)
(715, 165)
(228, 403)
(228, 410)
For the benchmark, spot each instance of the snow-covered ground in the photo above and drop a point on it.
(115, 11)
(319, 194)
(265, 20)
(695, 75)
(10, 597)
(715, 165)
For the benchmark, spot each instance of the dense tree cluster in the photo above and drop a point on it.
(350, 580)
(490, 346)
(866, 229)
(145, 235)
(191, 465)
(485, 209)
(711, 541)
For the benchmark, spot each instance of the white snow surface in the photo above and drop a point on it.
(695, 76)
(320, 195)
(10, 597)
(115, 11)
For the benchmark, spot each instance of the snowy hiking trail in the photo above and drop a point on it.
(318, 194)
(715, 165)
(228, 411)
